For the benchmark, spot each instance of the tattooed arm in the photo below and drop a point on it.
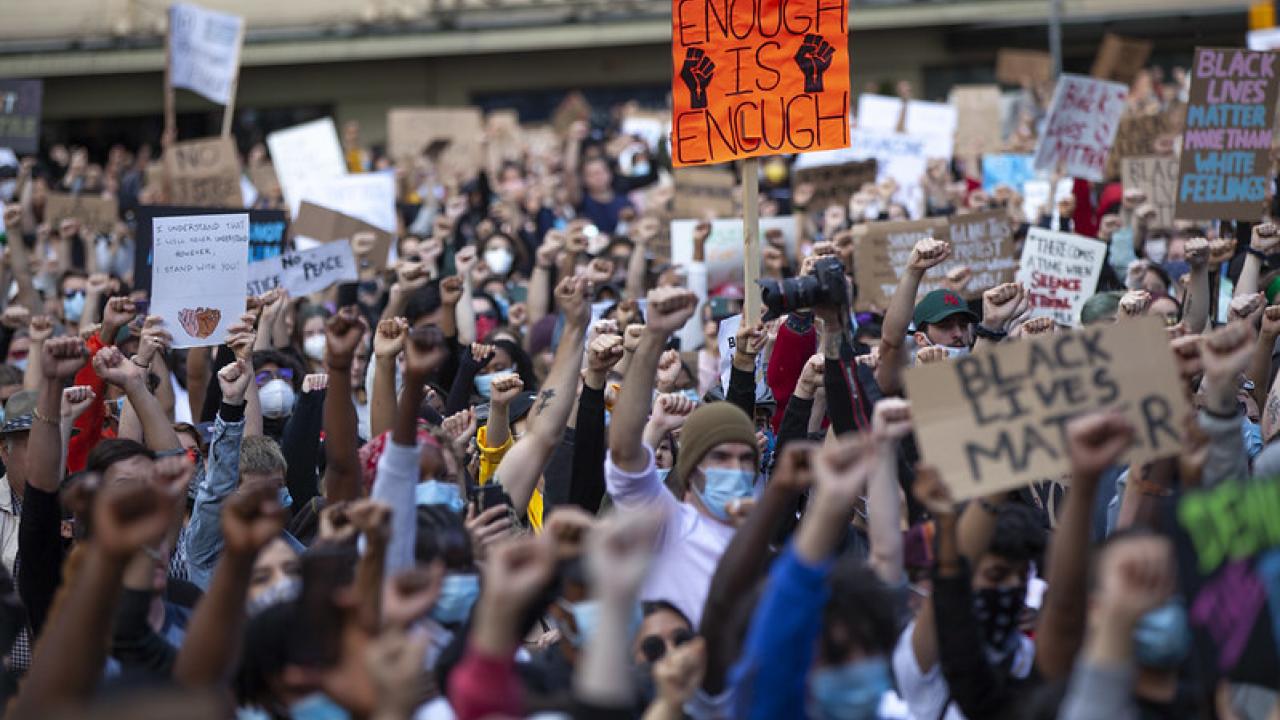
(522, 465)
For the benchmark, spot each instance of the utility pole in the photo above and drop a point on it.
(1055, 36)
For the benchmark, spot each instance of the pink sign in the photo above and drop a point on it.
(1081, 126)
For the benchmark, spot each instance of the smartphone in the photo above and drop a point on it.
(316, 637)
(487, 496)
(142, 306)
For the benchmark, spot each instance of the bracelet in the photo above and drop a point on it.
(35, 412)
(983, 332)
(1257, 253)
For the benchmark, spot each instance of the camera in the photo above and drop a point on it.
(826, 287)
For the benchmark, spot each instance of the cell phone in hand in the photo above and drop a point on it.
(141, 306)
(487, 496)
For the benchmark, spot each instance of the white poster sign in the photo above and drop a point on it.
(204, 51)
(306, 272)
(198, 275)
(1060, 272)
(935, 122)
(305, 155)
(370, 197)
(1081, 126)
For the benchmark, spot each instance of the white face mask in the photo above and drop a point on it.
(499, 260)
(314, 347)
(276, 398)
(1156, 250)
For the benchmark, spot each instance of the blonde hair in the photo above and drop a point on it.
(261, 455)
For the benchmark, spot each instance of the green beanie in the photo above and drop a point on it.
(711, 425)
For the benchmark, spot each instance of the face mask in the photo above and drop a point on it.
(276, 398)
(434, 492)
(20, 364)
(484, 383)
(73, 307)
(1156, 250)
(722, 486)
(286, 500)
(499, 260)
(692, 395)
(314, 347)
(1252, 432)
(997, 610)
(503, 304)
(317, 706)
(1161, 638)
(955, 352)
(585, 618)
(284, 590)
(662, 472)
(457, 594)
(640, 168)
(849, 692)
(1177, 269)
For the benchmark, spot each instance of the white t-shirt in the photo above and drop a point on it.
(925, 692)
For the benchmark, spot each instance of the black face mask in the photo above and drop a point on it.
(997, 611)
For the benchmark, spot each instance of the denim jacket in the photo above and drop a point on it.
(204, 532)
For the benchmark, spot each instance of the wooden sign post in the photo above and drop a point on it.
(751, 238)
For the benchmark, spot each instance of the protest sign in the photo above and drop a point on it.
(1060, 271)
(323, 225)
(304, 154)
(1082, 123)
(983, 242)
(1158, 178)
(703, 190)
(263, 177)
(1138, 135)
(880, 257)
(204, 173)
(898, 155)
(1007, 169)
(652, 128)
(835, 184)
(996, 420)
(977, 127)
(204, 51)
(724, 246)
(370, 197)
(1263, 39)
(755, 80)
(96, 213)
(1227, 539)
(1226, 167)
(573, 108)
(935, 122)
(198, 275)
(306, 272)
(410, 131)
(1016, 67)
(1038, 197)
(20, 107)
(1120, 58)
(266, 235)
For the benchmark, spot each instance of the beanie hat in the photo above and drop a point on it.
(708, 426)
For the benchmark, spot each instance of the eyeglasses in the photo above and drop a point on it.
(266, 376)
(654, 647)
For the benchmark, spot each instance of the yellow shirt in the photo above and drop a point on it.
(489, 460)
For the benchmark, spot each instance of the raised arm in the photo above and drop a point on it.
(519, 470)
(668, 310)
(926, 254)
(19, 260)
(464, 314)
(890, 423)
(1195, 305)
(112, 366)
(388, 343)
(61, 358)
(1264, 241)
(343, 333)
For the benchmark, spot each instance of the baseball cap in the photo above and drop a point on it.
(940, 305)
(19, 412)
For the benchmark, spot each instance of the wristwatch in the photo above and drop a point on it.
(995, 335)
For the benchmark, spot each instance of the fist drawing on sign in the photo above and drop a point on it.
(814, 57)
(696, 73)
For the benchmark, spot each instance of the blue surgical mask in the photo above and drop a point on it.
(1161, 639)
(1252, 432)
(457, 594)
(20, 364)
(955, 352)
(317, 706)
(73, 307)
(286, 500)
(723, 486)
(852, 691)
(586, 617)
(503, 304)
(692, 395)
(662, 472)
(434, 492)
(484, 383)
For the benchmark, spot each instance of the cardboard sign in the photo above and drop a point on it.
(204, 173)
(898, 155)
(995, 421)
(198, 275)
(96, 213)
(204, 51)
(573, 108)
(703, 190)
(267, 230)
(1082, 123)
(304, 154)
(1226, 164)
(978, 122)
(984, 243)
(1016, 67)
(761, 78)
(1060, 272)
(306, 272)
(880, 257)
(20, 103)
(1229, 567)
(835, 184)
(370, 197)
(323, 225)
(410, 131)
(1120, 58)
(1158, 178)
(263, 177)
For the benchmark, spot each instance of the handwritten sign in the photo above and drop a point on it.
(204, 51)
(322, 225)
(99, 214)
(880, 257)
(204, 173)
(978, 122)
(1082, 123)
(935, 122)
(305, 154)
(996, 420)
(267, 230)
(1226, 168)
(835, 184)
(306, 272)
(1016, 67)
(759, 78)
(20, 103)
(1120, 58)
(198, 275)
(983, 242)
(1158, 178)
(410, 131)
(1060, 272)
(700, 191)
(370, 197)
(1229, 565)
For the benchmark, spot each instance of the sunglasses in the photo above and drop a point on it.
(267, 376)
(654, 647)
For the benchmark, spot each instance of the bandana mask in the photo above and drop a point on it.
(997, 610)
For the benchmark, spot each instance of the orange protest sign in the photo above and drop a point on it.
(758, 78)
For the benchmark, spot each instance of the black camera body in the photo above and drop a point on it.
(827, 287)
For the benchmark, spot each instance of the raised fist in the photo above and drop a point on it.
(813, 57)
(696, 73)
